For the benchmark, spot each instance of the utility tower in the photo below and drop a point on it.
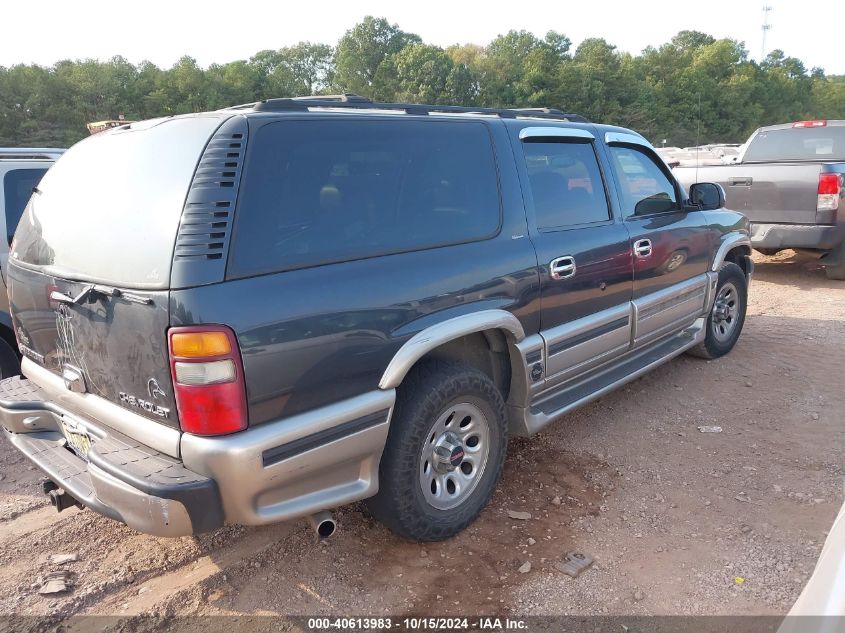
(766, 27)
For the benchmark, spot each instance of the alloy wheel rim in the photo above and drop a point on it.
(454, 455)
(725, 314)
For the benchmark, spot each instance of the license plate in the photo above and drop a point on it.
(77, 438)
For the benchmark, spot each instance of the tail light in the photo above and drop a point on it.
(830, 190)
(208, 379)
(809, 124)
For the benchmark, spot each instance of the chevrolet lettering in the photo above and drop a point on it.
(149, 407)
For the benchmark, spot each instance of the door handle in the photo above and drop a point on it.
(562, 267)
(744, 181)
(642, 248)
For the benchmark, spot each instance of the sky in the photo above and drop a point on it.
(222, 31)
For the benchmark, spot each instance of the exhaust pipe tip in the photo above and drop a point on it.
(323, 524)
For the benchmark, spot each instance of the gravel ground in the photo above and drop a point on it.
(677, 521)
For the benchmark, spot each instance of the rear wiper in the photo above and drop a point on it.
(106, 291)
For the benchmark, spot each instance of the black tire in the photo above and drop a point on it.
(10, 364)
(716, 345)
(837, 273)
(423, 399)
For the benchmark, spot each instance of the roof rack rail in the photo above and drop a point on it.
(295, 103)
(30, 153)
(352, 101)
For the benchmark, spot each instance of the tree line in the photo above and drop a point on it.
(693, 88)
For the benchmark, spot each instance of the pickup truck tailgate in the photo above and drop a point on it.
(782, 193)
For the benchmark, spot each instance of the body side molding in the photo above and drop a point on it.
(428, 339)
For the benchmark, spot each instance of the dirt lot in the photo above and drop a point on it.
(678, 521)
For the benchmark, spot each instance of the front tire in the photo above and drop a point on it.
(726, 318)
(444, 452)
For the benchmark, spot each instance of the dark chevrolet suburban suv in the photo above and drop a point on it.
(265, 312)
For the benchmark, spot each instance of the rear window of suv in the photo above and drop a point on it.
(811, 144)
(109, 209)
(323, 191)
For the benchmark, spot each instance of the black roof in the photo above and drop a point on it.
(356, 102)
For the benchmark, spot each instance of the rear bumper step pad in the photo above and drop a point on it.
(122, 478)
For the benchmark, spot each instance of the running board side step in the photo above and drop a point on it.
(606, 379)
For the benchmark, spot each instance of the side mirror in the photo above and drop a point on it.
(707, 196)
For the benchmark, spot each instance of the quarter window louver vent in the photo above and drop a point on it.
(206, 226)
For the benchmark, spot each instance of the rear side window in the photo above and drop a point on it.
(17, 188)
(818, 143)
(566, 184)
(316, 192)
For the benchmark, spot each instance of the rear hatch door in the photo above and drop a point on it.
(89, 274)
(114, 340)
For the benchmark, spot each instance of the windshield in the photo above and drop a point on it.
(811, 144)
(109, 209)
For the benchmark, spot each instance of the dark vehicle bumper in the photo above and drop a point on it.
(810, 236)
(121, 479)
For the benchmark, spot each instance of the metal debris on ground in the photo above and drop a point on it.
(55, 582)
(574, 563)
(522, 516)
(61, 559)
(710, 429)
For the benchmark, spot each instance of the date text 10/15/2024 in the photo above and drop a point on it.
(416, 624)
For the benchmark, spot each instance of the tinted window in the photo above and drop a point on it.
(17, 187)
(645, 188)
(324, 191)
(110, 207)
(566, 184)
(819, 143)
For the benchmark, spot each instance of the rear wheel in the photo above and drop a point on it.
(10, 364)
(444, 453)
(726, 318)
(837, 272)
